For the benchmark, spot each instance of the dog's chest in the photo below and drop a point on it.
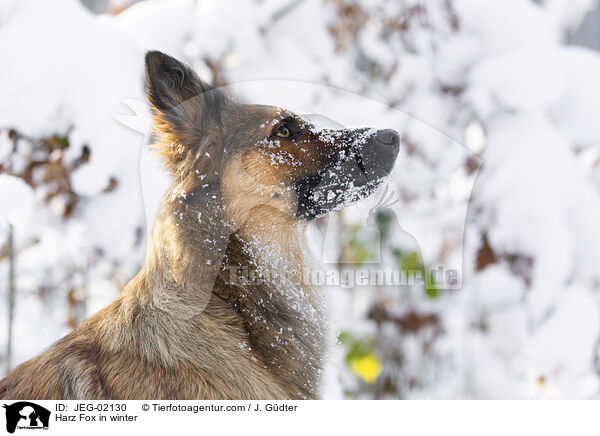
(284, 317)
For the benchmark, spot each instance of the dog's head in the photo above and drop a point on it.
(259, 158)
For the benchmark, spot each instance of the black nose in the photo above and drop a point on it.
(388, 137)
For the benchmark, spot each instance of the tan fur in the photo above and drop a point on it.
(179, 329)
(183, 328)
(136, 350)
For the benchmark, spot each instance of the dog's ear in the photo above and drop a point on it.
(185, 108)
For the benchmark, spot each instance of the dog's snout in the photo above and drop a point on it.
(388, 137)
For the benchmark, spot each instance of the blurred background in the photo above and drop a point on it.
(498, 107)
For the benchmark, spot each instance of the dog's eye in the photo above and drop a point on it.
(283, 132)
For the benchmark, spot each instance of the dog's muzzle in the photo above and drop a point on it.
(364, 158)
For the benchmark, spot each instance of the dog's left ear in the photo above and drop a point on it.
(184, 107)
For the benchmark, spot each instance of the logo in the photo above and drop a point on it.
(26, 415)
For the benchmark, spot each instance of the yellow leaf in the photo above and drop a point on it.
(366, 367)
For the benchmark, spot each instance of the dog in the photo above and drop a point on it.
(247, 180)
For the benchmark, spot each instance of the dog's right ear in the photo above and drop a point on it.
(184, 106)
(170, 83)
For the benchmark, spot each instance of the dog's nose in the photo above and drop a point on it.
(388, 137)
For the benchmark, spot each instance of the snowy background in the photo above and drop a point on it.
(497, 104)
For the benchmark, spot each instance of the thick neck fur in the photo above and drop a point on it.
(190, 289)
(283, 316)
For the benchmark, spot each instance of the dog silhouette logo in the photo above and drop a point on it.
(26, 415)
